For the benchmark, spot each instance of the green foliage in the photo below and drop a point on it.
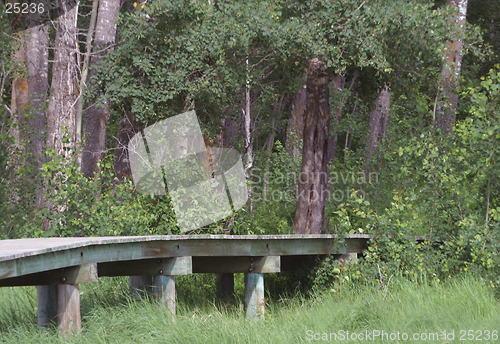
(172, 55)
(109, 315)
(82, 207)
(443, 187)
(273, 212)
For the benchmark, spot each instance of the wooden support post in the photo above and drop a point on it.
(254, 295)
(47, 304)
(164, 291)
(79, 274)
(225, 285)
(68, 308)
(140, 285)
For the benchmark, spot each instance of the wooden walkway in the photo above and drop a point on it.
(67, 262)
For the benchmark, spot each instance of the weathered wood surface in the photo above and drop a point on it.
(47, 304)
(68, 308)
(164, 292)
(18, 248)
(26, 256)
(147, 267)
(80, 274)
(266, 264)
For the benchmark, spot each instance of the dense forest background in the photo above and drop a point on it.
(389, 108)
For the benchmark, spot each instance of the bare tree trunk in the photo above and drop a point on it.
(248, 134)
(377, 127)
(314, 181)
(18, 103)
(85, 71)
(127, 128)
(20, 92)
(61, 113)
(64, 89)
(96, 116)
(446, 108)
(38, 85)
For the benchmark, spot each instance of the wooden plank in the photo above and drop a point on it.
(207, 248)
(159, 249)
(265, 264)
(18, 248)
(147, 267)
(355, 245)
(164, 291)
(47, 305)
(254, 295)
(86, 273)
(68, 309)
(25, 256)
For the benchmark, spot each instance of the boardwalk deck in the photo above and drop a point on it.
(68, 262)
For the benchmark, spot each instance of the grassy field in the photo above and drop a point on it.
(415, 308)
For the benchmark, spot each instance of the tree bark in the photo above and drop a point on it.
(127, 128)
(339, 83)
(20, 91)
(85, 72)
(229, 134)
(18, 103)
(97, 114)
(377, 127)
(64, 89)
(248, 134)
(446, 107)
(314, 180)
(38, 85)
(295, 129)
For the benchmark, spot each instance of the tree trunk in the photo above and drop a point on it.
(248, 135)
(64, 89)
(446, 107)
(38, 85)
(376, 128)
(295, 129)
(127, 128)
(85, 72)
(20, 92)
(61, 113)
(314, 180)
(339, 82)
(229, 134)
(18, 103)
(96, 116)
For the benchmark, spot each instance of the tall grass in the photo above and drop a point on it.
(109, 315)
